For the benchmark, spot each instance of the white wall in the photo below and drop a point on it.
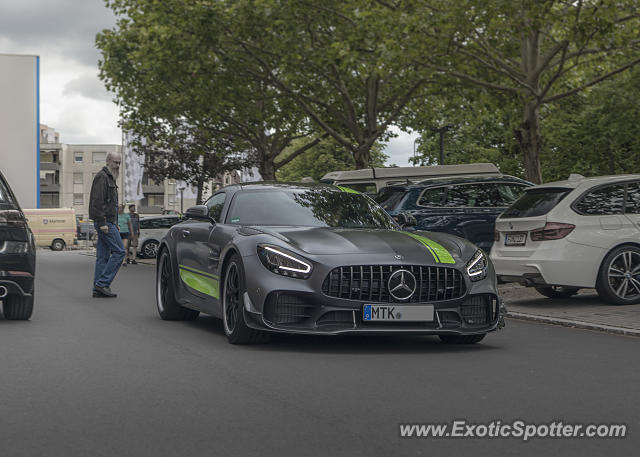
(19, 126)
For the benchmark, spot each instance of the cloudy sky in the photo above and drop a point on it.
(72, 98)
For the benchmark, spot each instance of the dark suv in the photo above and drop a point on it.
(463, 206)
(17, 258)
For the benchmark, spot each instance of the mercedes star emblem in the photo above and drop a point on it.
(402, 284)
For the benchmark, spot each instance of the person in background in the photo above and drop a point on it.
(124, 225)
(103, 209)
(135, 233)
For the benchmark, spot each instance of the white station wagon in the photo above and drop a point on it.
(562, 236)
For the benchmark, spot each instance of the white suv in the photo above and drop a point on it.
(566, 235)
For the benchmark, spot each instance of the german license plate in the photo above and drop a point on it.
(397, 313)
(515, 239)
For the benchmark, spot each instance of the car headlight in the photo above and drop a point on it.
(280, 261)
(477, 266)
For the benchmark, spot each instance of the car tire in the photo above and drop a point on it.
(461, 339)
(168, 307)
(619, 277)
(149, 249)
(17, 308)
(233, 289)
(57, 245)
(557, 291)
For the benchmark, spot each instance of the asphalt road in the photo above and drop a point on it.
(107, 377)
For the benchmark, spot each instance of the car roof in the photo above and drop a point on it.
(276, 185)
(159, 217)
(576, 181)
(412, 172)
(443, 181)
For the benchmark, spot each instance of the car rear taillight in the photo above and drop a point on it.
(551, 231)
(12, 218)
(496, 236)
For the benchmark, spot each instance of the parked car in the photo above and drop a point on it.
(562, 236)
(315, 259)
(54, 228)
(466, 206)
(86, 230)
(372, 180)
(17, 257)
(152, 230)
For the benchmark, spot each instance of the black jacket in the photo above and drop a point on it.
(103, 203)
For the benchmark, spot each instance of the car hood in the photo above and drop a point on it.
(412, 246)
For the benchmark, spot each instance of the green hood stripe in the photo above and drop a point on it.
(440, 254)
(204, 284)
(347, 189)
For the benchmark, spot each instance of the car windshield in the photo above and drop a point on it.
(536, 202)
(313, 207)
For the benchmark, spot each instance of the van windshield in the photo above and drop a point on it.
(536, 202)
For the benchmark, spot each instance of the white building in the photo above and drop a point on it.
(19, 126)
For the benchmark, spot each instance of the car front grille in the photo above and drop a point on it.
(370, 283)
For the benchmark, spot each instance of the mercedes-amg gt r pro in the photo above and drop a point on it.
(320, 259)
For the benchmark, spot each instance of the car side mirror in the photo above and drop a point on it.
(405, 219)
(199, 212)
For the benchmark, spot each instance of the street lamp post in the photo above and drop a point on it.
(442, 131)
(181, 189)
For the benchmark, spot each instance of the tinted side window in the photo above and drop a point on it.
(168, 222)
(144, 223)
(432, 197)
(471, 196)
(506, 194)
(215, 205)
(389, 198)
(603, 201)
(361, 187)
(633, 198)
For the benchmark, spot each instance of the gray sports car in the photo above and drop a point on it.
(319, 259)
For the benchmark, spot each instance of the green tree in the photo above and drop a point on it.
(349, 65)
(323, 158)
(169, 60)
(540, 52)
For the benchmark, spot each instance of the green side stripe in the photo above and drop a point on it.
(200, 272)
(437, 250)
(204, 284)
(347, 189)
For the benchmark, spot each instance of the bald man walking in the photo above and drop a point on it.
(103, 209)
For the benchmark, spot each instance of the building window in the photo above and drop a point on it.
(99, 157)
(78, 156)
(78, 178)
(49, 200)
(78, 199)
(47, 157)
(152, 200)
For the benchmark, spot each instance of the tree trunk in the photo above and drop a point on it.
(199, 192)
(267, 169)
(530, 141)
(362, 156)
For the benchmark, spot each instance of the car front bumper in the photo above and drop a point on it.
(281, 304)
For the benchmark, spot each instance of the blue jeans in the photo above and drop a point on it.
(109, 255)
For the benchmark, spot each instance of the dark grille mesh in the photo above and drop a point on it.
(286, 309)
(369, 283)
(476, 311)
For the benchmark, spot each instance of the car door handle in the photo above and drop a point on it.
(186, 233)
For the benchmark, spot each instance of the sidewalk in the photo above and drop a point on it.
(584, 310)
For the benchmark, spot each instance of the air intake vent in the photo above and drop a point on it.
(476, 310)
(370, 283)
(286, 309)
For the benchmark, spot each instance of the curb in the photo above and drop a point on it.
(574, 324)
